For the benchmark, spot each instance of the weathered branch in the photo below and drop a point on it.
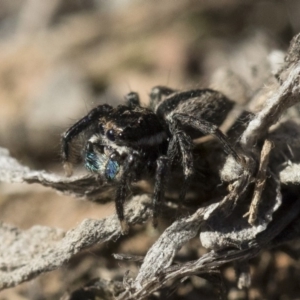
(260, 181)
(287, 95)
(26, 254)
(86, 186)
(212, 260)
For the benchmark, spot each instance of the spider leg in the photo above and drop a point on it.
(157, 94)
(77, 128)
(208, 128)
(159, 187)
(185, 143)
(132, 99)
(121, 191)
(186, 148)
(173, 150)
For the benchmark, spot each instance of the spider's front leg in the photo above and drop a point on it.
(77, 128)
(159, 187)
(122, 190)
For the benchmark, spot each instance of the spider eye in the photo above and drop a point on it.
(110, 135)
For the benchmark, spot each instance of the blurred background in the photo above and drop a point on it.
(60, 58)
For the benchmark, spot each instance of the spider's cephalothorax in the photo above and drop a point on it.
(130, 141)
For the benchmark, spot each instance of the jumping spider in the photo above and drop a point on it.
(129, 141)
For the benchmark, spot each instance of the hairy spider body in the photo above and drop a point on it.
(130, 141)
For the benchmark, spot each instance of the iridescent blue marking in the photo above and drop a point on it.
(94, 162)
(112, 169)
(102, 165)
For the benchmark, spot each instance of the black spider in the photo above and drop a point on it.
(130, 141)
